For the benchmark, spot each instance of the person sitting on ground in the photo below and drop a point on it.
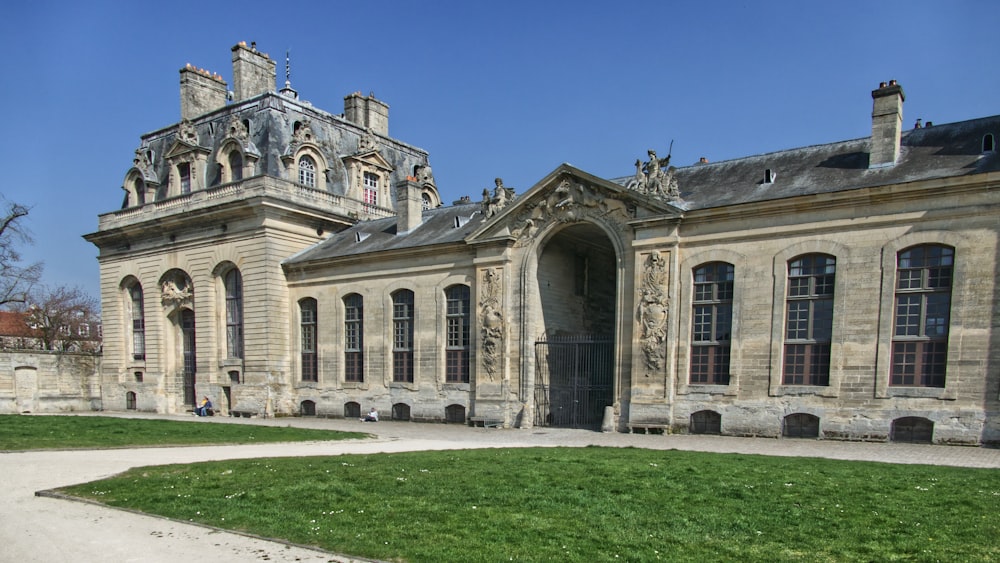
(203, 407)
(372, 416)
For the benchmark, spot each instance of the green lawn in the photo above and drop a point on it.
(583, 504)
(18, 432)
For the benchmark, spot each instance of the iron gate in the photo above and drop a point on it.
(574, 381)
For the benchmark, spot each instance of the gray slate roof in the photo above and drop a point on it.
(438, 226)
(939, 151)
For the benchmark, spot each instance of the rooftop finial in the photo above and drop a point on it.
(288, 69)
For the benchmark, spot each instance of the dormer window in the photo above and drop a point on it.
(140, 192)
(989, 144)
(769, 176)
(307, 171)
(425, 201)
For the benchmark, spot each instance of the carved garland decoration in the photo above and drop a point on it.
(493, 323)
(653, 311)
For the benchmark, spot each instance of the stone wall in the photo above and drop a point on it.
(49, 382)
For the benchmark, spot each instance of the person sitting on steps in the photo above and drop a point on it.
(372, 416)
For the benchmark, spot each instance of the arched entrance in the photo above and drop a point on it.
(574, 359)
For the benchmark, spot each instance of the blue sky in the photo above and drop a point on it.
(510, 89)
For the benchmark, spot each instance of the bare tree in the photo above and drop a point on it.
(16, 280)
(64, 318)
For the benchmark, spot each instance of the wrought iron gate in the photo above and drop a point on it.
(187, 337)
(574, 380)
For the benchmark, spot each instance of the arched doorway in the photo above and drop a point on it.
(576, 279)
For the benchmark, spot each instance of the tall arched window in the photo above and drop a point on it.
(138, 322)
(712, 320)
(307, 171)
(809, 319)
(140, 191)
(234, 313)
(235, 166)
(923, 310)
(457, 334)
(402, 336)
(307, 339)
(354, 324)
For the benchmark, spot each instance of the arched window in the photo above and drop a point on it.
(706, 422)
(354, 324)
(809, 319)
(402, 336)
(307, 339)
(454, 413)
(140, 191)
(912, 429)
(307, 171)
(235, 166)
(923, 309)
(425, 201)
(234, 313)
(130, 401)
(401, 411)
(712, 320)
(801, 425)
(457, 334)
(307, 408)
(138, 322)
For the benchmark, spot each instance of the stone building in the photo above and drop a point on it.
(842, 291)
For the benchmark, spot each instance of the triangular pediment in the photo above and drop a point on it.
(567, 195)
(371, 158)
(180, 148)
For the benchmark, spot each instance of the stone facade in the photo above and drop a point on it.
(840, 291)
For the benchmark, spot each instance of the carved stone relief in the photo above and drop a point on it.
(367, 142)
(570, 202)
(655, 178)
(186, 132)
(652, 312)
(176, 290)
(493, 324)
(238, 130)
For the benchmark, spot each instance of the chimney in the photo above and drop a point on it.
(254, 73)
(201, 92)
(409, 205)
(367, 112)
(887, 124)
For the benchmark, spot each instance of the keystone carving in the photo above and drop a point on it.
(186, 133)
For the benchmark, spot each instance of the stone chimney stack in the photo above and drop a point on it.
(887, 124)
(254, 73)
(367, 112)
(409, 205)
(201, 92)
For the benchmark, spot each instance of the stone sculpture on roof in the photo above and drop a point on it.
(502, 195)
(655, 177)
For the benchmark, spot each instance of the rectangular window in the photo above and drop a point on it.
(234, 314)
(185, 173)
(138, 324)
(371, 190)
(353, 338)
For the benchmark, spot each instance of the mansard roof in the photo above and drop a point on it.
(935, 152)
(442, 225)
